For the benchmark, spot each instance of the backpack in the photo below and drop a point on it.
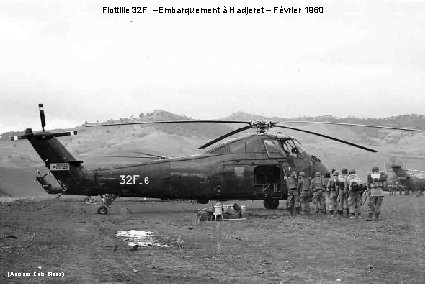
(355, 184)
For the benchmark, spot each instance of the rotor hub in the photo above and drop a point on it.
(262, 126)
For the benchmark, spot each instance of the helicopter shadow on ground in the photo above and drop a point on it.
(265, 214)
(177, 207)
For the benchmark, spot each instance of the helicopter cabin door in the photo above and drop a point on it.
(267, 181)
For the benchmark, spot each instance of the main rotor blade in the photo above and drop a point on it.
(118, 156)
(328, 137)
(151, 155)
(167, 122)
(408, 157)
(352, 124)
(411, 170)
(225, 135)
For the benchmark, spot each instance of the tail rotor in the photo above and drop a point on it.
(42, 135)
(42, 117)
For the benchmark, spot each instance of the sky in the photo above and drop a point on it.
(359, 57)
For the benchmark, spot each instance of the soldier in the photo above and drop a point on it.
(317, 187)
(399, 187)
(326, 194)
(375, 183)
(355, 189)
(293, 194)
(333, 193)
(391, 188)
(418, 191)
(303, 186)
(407, 190)
(342, 199)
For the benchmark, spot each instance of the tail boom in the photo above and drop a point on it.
(69, 172)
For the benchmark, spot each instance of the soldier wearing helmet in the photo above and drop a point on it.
(293, 194)
(398, 188)
(303, 186)
(342, 199)
(375, 183)
(317, 187)
(333, 192)
(325, 197)
(355, 189)
(391, 188)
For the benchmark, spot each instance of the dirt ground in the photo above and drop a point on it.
(67, 237)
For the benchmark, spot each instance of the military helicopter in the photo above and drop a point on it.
(252, 167)
(409, 179)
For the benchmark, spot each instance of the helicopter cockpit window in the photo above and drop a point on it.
(273, 149)
(291, 148)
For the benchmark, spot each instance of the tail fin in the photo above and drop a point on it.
(64, 167)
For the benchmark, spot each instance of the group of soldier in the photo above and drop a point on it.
(395, 187)
(336, 194)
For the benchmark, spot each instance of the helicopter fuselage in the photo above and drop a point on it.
(248, 168)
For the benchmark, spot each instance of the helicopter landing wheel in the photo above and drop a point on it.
(270, 203)
(103, 210)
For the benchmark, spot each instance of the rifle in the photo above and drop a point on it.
(366, 194)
